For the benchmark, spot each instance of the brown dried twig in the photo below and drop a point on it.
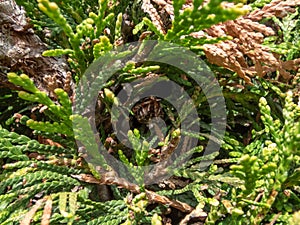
(150, 9)
(161, 13)
(110, 178)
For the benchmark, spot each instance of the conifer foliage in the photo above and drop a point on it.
(253, 48)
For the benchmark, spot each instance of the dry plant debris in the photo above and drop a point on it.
(244, 53)
(247, 38)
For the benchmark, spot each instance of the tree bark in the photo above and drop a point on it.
(21, 51)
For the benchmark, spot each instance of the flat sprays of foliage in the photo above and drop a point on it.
(252, 49)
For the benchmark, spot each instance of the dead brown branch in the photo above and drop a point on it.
(110, 178)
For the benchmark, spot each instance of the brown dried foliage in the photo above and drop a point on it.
(246, 44)
(161, 12)
(153, 13)
(247, 38)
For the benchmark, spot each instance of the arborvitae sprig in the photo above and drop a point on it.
(144, 70)
(42, 165)
(288, 43)
(156, 219)
(102, 47)
(268, 121)
(103, 4)
(152, 27)
(141, 149)
(195, 19)
(71, 198)
(118, 27)
(62, 111)
(16, 146)
(250, 170)
(269, 165)
(84, 133)
(23, 181)
(30, 192)
(85, 41)
(35, 95)
(140, 157)
(52, 10)
(137, 209)
(32, 178)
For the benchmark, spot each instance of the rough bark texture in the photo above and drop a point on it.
(21, 50)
